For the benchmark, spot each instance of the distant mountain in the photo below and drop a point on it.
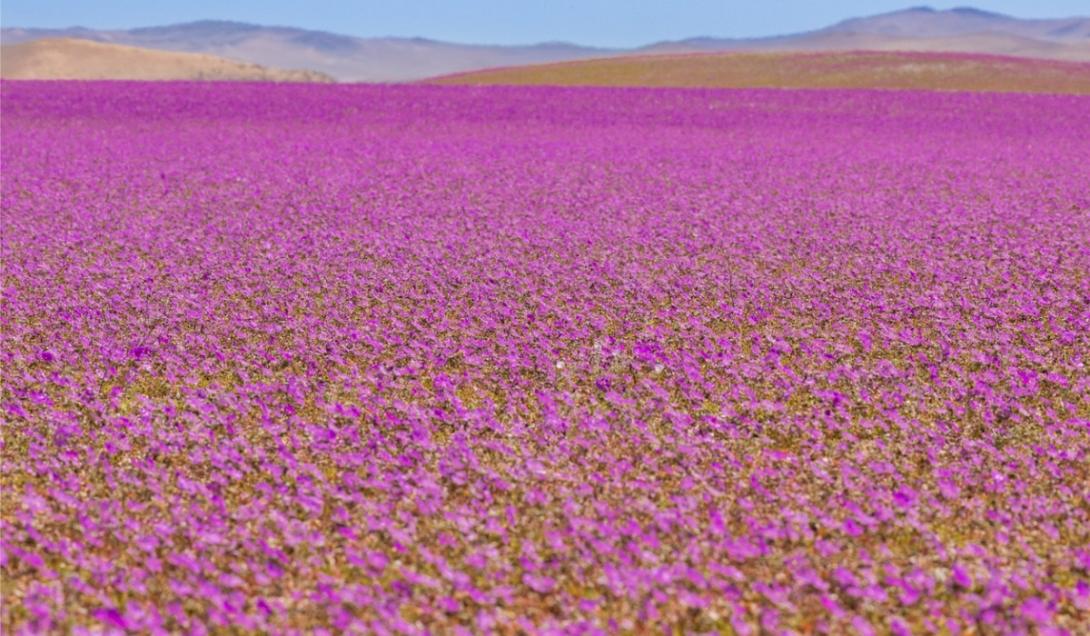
(349, 58)
(926, 22)
(344, 57)
(963, 29)
(73, 58)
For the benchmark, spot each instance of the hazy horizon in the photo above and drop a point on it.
(601, 23)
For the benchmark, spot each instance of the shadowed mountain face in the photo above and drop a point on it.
(348, 58)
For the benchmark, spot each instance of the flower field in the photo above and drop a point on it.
(425, 359)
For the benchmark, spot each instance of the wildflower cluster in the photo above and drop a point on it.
(460, 360)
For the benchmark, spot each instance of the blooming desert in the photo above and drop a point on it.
(428, 359)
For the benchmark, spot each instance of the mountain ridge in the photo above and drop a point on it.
(397, 59)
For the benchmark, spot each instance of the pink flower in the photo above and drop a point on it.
(539, 583)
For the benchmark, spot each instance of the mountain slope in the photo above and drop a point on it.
(344, 57)
(70, 58)
(920, 29)
(927, 22)
(391, 59)
(893, 70)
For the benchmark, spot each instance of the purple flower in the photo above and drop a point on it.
(1036, 610)
(539, 583)
(407, 358)
(961, 577)
(111, 617)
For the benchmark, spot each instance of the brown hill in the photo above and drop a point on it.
(69, 58)
(855, 69)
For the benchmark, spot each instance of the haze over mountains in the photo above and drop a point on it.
(346, 58)
(964, 30)
(392, 59)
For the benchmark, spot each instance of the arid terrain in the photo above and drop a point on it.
(349, 58)
(855, 69)
(70, 58)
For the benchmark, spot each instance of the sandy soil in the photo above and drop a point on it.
(857, 69)
(65, 58)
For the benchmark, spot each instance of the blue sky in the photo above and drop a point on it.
(595, 22)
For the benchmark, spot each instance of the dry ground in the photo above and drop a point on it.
(857, 69)
(67, 58)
